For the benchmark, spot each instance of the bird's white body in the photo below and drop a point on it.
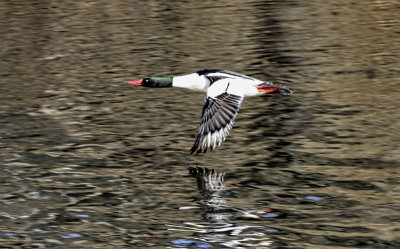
(228, 83)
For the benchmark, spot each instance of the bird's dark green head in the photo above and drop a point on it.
(153, 82)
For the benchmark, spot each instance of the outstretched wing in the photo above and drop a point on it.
(217, 119)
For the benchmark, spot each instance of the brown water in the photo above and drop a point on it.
(90, 162)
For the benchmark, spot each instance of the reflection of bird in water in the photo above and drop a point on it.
(220, 215)
(214, 194)
(225, 93)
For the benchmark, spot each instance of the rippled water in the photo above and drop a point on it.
(89, 162)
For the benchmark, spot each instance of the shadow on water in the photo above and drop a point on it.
(90, 162)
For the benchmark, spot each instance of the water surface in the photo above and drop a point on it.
(90, 162)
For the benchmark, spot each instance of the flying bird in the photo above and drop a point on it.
(225, 91)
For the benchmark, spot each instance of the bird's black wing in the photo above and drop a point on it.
(217, 119)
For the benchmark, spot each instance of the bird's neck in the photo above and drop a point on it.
(190, 81)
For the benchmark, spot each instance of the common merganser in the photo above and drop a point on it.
(225, 93)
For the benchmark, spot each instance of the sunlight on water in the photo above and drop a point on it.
(91, 162)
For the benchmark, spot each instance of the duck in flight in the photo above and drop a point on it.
(225, 91)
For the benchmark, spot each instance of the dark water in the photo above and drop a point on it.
(89, 162)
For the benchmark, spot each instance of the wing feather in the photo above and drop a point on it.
(217, 119)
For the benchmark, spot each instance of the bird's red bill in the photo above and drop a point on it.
(268, 89)
(136, 82)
